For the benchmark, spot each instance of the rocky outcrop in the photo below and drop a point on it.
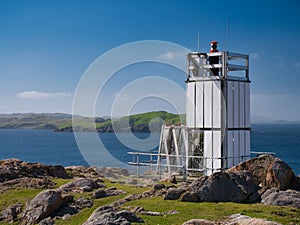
(83, 171)
(43, 205)
(268, 172)
(281, 198)
(107, 215)
(223, 187)
(36, 183)
(14, 168)
(81, 185)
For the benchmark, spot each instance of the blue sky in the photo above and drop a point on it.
(46, 46)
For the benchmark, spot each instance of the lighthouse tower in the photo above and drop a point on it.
(218, 108)
(217, 131)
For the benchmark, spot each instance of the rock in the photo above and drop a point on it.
(66, 217)
(268, 172)
(10, 214)
(67, 210)
(279, 175)
(159, 186)
(151, 213)
(274, 196)
(57, 171)
(112, 172)
(171, 212)
(173, 180)
(174, 193)
(84, 203)
(99, 194)
(239, 219)
(137, 209)
(194, 187)
(199, 222)
(81, 185)
(130, 216)
(47, 221)
(236, 219)
(84, 172)
(224, 187)
(14, 168)
(107, 215)
(43, 205)
(106, 193)
(189, 197)
(36, 183)
(295, 185)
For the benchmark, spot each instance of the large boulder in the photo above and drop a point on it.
(268, 172)
(239, 219)
(281, 198)
(224, 187)
(43, 205)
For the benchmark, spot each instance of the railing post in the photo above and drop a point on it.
(138, 166)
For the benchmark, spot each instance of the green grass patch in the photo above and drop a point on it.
(211, 211)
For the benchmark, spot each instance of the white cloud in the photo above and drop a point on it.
(39, 95)
(172, 55)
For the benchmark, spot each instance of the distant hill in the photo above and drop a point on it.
(265, 120)
(60, 122)
(145, 122)
(33, 120)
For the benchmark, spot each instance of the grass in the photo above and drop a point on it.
(211, 211)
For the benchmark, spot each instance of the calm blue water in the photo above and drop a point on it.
(60, 148)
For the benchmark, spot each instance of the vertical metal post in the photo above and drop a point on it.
(138, 166)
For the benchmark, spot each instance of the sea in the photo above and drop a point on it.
(60, 148)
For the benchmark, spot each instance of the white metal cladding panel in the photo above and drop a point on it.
(247, 104)
(190, 106)
(236, 147)
(207, 153)
(207, 87)
(229, 104)
(230, 149)
(242, 104)
(242, 145)
(216, 104)
(247, 144)
(199, 104)
(217, 150)
(236, 114)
